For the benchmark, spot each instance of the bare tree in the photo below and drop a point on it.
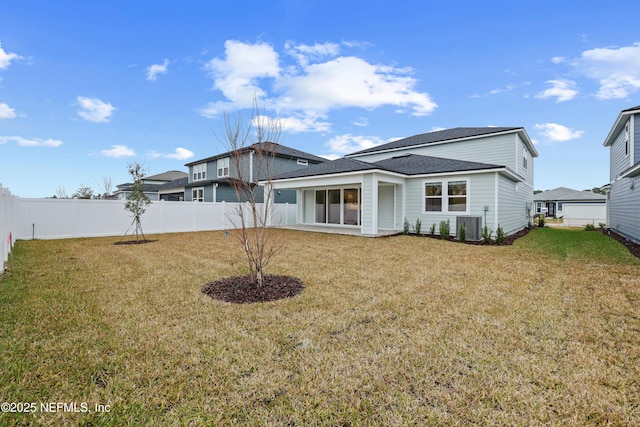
(61, 193)
(252, 145)
(107, 187)
(137, 201)
(83, 192)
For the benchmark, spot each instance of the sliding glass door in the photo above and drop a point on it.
(340, 206)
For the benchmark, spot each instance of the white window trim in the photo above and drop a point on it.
(195, 190)
(445, 196)
(222, 167)
(627, 139)
(199, 172)
(303, 162)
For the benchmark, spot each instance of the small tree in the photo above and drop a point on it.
(137, 201)
(83, 192)
(256, 139)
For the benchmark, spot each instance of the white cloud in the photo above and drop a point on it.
(7, 57)
(6, 112)
(36, 142)
(617, 70)
(180, 154)
(117, 151)
(95, 110)
(345, 144)
(312, 86)
(155, 69)
(562, 90)
(557, 59)
(308, 123)
(557, 133)
(507, 88)
(361, 121)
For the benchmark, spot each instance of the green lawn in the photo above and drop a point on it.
(390, 331)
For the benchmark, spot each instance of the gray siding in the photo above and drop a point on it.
(481, 193)
(618, 161)
(285, 196)
(636, 138)
(624, 208)
(512, 205)
(496, 150)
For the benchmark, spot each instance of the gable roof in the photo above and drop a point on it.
(563, 193)
(278, 149)
(167, 176)
(619, 124)
(447, 135)
(409, 165)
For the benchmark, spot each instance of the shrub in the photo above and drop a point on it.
(444, 230)
(486, 235)
(432, 229)
(541, 219)
(462, 233)
(589, 227)
(500, 235)
(405, 226)
(418, 226)
(602, 225)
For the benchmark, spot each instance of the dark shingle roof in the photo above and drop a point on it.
(411, 164)
(563, 193)
(280, 150)
(437, 136)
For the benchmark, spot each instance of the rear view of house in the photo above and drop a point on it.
(623, 141)
(576, 208)
(480, 176)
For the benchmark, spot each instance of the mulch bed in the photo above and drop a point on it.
(634, 248)
(508, 240)
(241, 290)
(134, 242)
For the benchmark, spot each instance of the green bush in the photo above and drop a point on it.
(486, 235)
(462, 233)
(432, 229)
(602, 225)
(406, 226)
(541, 220)
(589, 227)
(500, 235)
(418, 226)
(444, 230)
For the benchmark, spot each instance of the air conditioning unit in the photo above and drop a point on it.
(473, 225)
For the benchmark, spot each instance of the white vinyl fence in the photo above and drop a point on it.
(68, 218)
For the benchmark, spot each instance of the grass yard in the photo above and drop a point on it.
(390, 331)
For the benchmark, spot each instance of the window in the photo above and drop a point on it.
(341, 206)
(525, 157)
(197, 194)
(223, 167)
(457, 196)
(626, 139)
(455, 199)
(199, 172)
(433, 196)
(303, 162)
(559, 206)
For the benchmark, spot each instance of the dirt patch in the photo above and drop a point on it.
(134, 242)
(634, 248)
(240, 289)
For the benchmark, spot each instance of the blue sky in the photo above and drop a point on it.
(88, 87)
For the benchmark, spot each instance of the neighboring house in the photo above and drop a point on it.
(163, 186)
(209, 179)
(479, 176)
(576, 207)
(623, 141)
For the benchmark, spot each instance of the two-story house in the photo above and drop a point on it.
(163, 186)
(623, 141)
(479, 176)
(209, 179)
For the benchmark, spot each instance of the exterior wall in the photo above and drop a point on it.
(369, 200)
(481, 193)
(522, 152)
(586, 212)
(618, 160)
(496, 150)
(309, 207)
(636, 138)
(386, 207)
(513, 203)
(624, 208)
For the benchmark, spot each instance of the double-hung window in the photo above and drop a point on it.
(200, 172)
(223, 167)
(446, 196)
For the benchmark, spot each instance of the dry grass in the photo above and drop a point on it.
(393, 331)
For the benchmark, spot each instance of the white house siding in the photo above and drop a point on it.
(309, 207)
(513, 199)
(481, 193)
(496, 150)
(580, 213)
(618, 161)
(636, 138)
(520, 169)
(400, 194)
(625, 202)
(386, 207)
